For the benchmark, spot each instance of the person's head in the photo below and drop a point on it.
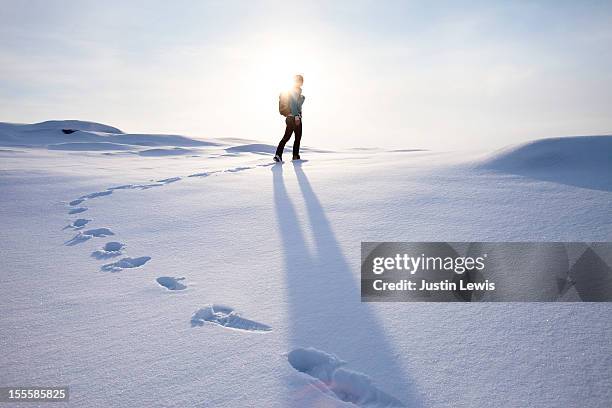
(299, 80)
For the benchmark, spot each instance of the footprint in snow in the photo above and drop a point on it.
(77, 210)
(171, 283)
(122, 187)
(87, 235)
(95, 195)
(109, 250)
(125, 263)
(237, 169)
(336, 381)
(136, 186)
(79, 200)
(78, 224)
(204, 174)
(169, 180)
(226, 317)
(157, 183)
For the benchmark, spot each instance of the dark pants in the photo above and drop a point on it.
(291, 128)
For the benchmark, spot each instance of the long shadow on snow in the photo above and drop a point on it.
(324, 298)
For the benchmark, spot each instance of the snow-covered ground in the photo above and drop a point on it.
(164, 271)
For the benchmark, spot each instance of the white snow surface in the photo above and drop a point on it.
(235, 282)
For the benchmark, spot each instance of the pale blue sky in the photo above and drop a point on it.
(441, 75)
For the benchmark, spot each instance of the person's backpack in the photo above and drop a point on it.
(283, 104)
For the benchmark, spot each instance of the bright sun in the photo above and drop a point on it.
(274, 69)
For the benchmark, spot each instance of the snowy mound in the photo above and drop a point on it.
(584, 161)
(82, 136)
(156, 258)
(83, 146)
(61, 124)
(556, 154)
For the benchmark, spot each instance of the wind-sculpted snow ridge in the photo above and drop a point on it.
(75, 135)
(582, 161)
(91, 146)
(226, 317)
(51, 125)
(346, 385)
(159, 152)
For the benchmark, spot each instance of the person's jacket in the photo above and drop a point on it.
(296, 99)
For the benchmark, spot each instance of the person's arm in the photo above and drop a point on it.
(293, 104)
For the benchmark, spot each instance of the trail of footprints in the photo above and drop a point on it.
(227, 317)
(326, 369)
(111, 249)
(113, 253)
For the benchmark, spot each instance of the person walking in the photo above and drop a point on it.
(290, 106)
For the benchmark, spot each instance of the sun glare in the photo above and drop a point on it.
(276, 76)
(274, 68)
(270, 69)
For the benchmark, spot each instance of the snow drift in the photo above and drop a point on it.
(583, 161)
(87, 136)
(222, 279)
